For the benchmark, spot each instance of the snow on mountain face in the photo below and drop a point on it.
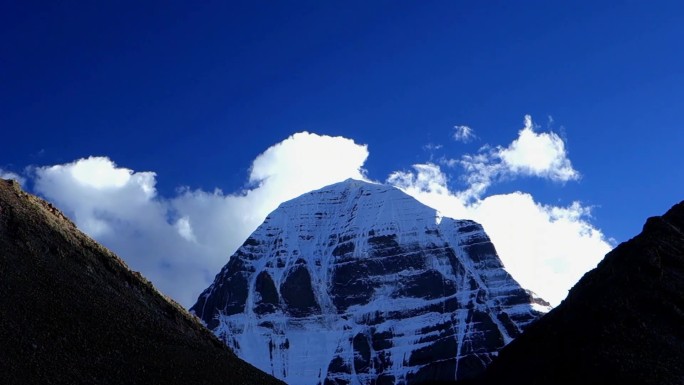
(359, 283)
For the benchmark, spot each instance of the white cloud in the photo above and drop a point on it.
(531, 154)
(185, 229)
(536, 154)
(432, 147)
(546, 248)
(10, 175)
(180, 243)
(463, 134)
(307, 161)
(99, 195)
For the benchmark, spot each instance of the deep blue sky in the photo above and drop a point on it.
(195, 90)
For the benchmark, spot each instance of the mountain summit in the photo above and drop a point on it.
(360, 283)
(71, 312)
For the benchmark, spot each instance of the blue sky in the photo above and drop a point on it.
(196, 92)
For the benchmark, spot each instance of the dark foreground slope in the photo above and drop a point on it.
(623, 323)
(71, 312)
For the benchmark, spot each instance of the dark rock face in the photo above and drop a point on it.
(366, 286)
(298, 293)
(267, 293)
(623, 323)
(71, 312)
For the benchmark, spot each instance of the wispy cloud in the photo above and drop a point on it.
(463, 134)
(432, 147)
(541, 155)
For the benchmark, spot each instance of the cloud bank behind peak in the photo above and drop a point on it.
(180, 242)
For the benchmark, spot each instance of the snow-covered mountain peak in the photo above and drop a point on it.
(358, 282)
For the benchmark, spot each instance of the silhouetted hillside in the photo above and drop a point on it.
(71, 312)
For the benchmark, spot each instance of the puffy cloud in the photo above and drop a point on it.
(531, 154)
(181, 242)
(463, 134)
(96, 192)
(546, 248)
(536, 154)
(10, 175)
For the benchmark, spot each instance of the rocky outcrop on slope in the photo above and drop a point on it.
(360, 283)
(623, 323)
(71, 312)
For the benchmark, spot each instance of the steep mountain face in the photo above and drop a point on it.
(623, 323)
(71, 312)
(359, 283)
